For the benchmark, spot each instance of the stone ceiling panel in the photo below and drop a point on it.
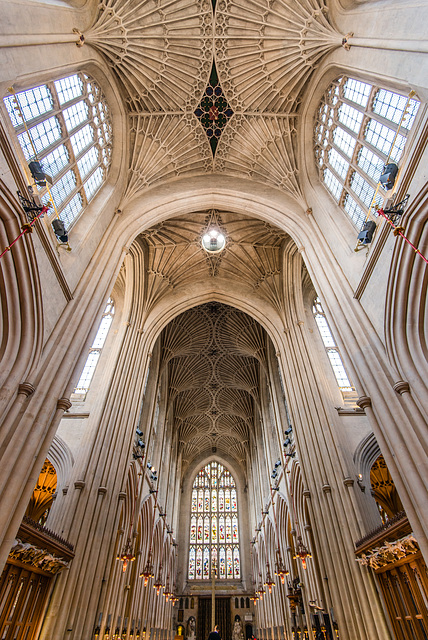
(160, 50)
(213, 394)
(266, 50)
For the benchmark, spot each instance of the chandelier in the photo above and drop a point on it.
(302, 552)
(127, 555)
(147, 572)
(269, 583)
(158, 584)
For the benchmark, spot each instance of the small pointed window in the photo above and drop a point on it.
(331, 348)
(95, 350)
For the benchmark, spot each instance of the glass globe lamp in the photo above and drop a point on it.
(213, 241)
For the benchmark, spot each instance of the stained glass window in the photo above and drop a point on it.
(65, 126)
(356, 133)
(214, 534)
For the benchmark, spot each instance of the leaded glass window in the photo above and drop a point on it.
(95, 350)
(356, 132)
(331, 347)
(65, 126)
(214, 534)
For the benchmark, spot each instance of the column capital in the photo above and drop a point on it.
(401, 386)
(26, 389)
(364, 401)
(63, 404)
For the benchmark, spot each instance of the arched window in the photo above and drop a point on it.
(95, 350)
(214, 539)
(331, 347)
(65, 126)
(358, 127)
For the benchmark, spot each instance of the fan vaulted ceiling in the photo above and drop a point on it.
(251, 258)
(214, 357)
(163, 52)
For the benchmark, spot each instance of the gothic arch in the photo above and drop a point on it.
(365, 454)
(62, 459)
(408, 291)
(21, 299)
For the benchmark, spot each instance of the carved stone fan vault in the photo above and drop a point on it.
(258, 53)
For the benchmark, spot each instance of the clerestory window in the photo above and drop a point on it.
(331, 348)
(358, 129)
(95, 351)
(214, 539)
(65, 126)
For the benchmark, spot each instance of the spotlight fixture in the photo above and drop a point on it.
(289, 430)
(366, 234)
(60, 230)
(213, 241)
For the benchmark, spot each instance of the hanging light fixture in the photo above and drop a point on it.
(254, 598)
(269, 583)
(280, 570)
(302, 552)
(158, 584)
(147, 572)
(213, 238)
(260, 589)
(167, 593)
(128, 554)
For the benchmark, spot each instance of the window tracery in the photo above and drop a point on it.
(95, 350)
(214, 538)
(358, 128)
(331, 347)
(65, 126)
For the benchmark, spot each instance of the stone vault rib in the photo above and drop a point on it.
(161, 51)
(266, 50)
(164, 146)
(261, 147)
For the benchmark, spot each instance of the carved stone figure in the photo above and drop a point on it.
(237, 631)
(191, 628)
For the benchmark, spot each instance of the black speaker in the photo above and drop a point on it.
(60, 230)
(366, 234)
(388, 176)
(37, 173)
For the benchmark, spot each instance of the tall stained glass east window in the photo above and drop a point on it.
(214, 539)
